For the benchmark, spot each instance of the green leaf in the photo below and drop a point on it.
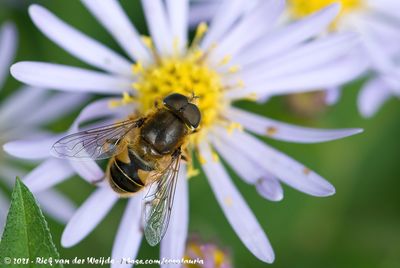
(26, 240)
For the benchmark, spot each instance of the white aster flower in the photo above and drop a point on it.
(21, 115)
(241, 56)
(378, 23)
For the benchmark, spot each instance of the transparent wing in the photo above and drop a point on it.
(158, 203)
(97, 143)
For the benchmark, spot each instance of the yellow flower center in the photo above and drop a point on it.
(302, 8)
(190, 74)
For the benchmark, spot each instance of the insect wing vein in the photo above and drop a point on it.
(158, 203)
(98, 143)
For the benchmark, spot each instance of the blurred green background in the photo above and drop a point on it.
(357, 227)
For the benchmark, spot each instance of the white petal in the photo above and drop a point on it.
(8, 45)
(88, 216)
(158, 25)
(174, 242)
(4, 205)
(20, 131)
(278, 164)
(8, 173)
(283, 39)
(266, 185)
(56, 205)
(286, 132)
(77, 43)
(202, 12)
(242, 165)
(90, 171)
(254, 24)
(270, 188)
(385, 31)
(48, 174)
(99, 109)
(56, 106)
(178, 17)
(309, 56)
(34, 149)
(129, 235)
(235, 208)
(373, 95)
(228, 12)
(333, 74)
(333, 95)
(386, 7)
(380, 58)
(392, 81)
(17, 104)
(110, 14)
(69, 78)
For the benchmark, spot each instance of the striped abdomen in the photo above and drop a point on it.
(123, 173)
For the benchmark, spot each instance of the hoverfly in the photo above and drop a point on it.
(144, 152)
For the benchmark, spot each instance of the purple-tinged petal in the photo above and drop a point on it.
(69, 78)
(278, 164)
(34, 149)
(242, 165)
(329, 75)
(48, 174)
(100, 109)
(8, 174)
(388, 34)
(129, 235)
(178, 17)
(56, 205)
(267, 186)
(286, 132)
(202, 12)
(305, 57)
(380, 58)
(284, 39)
(333, 95)
(373, 95)
(174, 242)
(88, 216)
(78, 44)
(226, 15)
(158, 24)
(19, 131)
(56, 106)
(17, 104)
(386, 8)
(8, 45)
(392, 81)
(4, 205)
(270, 188)
(253, 25)
(110, 14)
(90, 171)
(235, 208)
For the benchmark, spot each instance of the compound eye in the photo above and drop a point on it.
(175, 101)
(191, 115)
